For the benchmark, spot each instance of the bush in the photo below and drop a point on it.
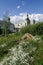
(34, 29)
(0, 30)
(42, 37)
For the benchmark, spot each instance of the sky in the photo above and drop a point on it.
(18, 9)
(15, 7)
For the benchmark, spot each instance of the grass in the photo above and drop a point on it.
(12, 40)
(8, 42)
(39, 53)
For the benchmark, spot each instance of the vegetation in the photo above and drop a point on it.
(7, 43)
(35, 29)
(27, 52)
(5, 25)
(0, 30)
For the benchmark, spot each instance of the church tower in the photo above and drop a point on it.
(27, 20)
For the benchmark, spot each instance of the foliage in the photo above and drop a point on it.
(0, 30)
(34, 29)
(42, 37)
(6, 27)
(10, 46)
(7, 43)
(21, 53)
(6, 24)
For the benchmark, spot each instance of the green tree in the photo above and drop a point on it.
(0, 30)
(6, 24)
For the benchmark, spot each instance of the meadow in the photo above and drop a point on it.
(29, 52)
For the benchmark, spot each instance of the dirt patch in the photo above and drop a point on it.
(27, 36)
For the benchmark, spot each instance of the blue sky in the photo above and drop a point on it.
(14, 7)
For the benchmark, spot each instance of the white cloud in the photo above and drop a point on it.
(18, 19)
(37, 17)
(22, 16)
(18, 6)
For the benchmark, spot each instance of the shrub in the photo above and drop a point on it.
(34, 29)
(0, 30)
(42, 37)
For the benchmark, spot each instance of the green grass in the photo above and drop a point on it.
(34, 29)
(12, 40)
(8, 42)
(39, 53)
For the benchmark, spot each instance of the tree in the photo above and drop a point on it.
(6, 24)
(0, 30)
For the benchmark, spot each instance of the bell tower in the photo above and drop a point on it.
(27, 20)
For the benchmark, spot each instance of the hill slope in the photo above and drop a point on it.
(22, 49)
